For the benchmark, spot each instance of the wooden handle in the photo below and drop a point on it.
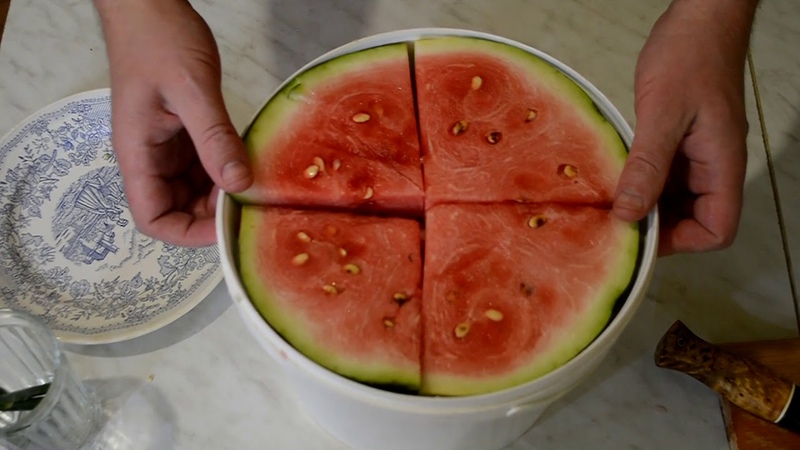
(746, 383)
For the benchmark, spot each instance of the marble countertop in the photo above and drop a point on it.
(202, 382)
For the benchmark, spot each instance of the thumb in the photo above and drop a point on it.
(659, 131)
(219, 147)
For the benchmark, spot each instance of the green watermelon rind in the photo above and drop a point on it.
(591, 324)
(289, 100)
(540, 70)
(293, 328)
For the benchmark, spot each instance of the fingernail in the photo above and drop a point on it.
(234, 173)
(630, 200)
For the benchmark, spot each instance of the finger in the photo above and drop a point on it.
(716, 177)
(659, 130)
(219, 147)
(713, 226)
(158, 201)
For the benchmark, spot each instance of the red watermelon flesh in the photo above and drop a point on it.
(513, 291)
(504, 301)
(342, 134)
(500, 124)
(343, 289)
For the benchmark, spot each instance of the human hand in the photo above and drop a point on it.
(689, 149)
(174, 141)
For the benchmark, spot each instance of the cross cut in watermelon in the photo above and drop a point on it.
(523, 260)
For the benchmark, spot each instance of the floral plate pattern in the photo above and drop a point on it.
(69, 250)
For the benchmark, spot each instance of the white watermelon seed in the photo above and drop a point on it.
(494, 315)
(342, 252)
(388, 323)
(531, 115)
(368, 194)
(494, 137)
(351, 269)
(476, 83)
(330, 289)
(336, 164)
(319, 163)
(459, 127)
(304, 237)
(462, 329)
(311, 171)
(568, 170)
(537, 221)
(300, 259)
(361, 118)
(400, 296)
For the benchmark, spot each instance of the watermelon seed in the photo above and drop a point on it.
(336, 164)
(300, 259)
(388, 323)
(462, 329)
(568, 170)
(361, 118)
(494, 315)
(351, 269)
(319, 163)
(311, 171)
(369, 193)
(494, 137)
(531, 115)
(476, 83)
(459, 127)
(537, 221)
(304, 237)
(342, 252)
(330, 289)
(400, 298)
(526, 289)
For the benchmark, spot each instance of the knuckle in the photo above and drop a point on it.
(644, 165)
(217, 135)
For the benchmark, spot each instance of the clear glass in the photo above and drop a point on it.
(30, 355)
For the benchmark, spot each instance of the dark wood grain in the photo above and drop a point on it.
(4, 5)
(744, 430)
(744, 381)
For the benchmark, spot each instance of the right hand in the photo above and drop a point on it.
(689, 152)
(174, 141)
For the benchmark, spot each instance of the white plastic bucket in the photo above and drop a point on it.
(367, 418)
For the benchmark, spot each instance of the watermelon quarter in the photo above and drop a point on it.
(498, 123)
(508, 170)
(342, 134)
(513, 291)
(341, 288)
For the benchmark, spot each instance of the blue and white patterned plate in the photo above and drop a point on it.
(69, 250)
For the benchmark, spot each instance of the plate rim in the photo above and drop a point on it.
(158, 321)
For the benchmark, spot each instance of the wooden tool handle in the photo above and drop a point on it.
(744, 382)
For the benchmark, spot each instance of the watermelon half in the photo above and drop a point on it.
(514, 261)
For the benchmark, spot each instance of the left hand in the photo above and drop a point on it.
(174, 140)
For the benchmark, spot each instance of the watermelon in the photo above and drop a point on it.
(343, 289)
(455, 239)
(498, 123)
(342, 134)
(513, 291)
